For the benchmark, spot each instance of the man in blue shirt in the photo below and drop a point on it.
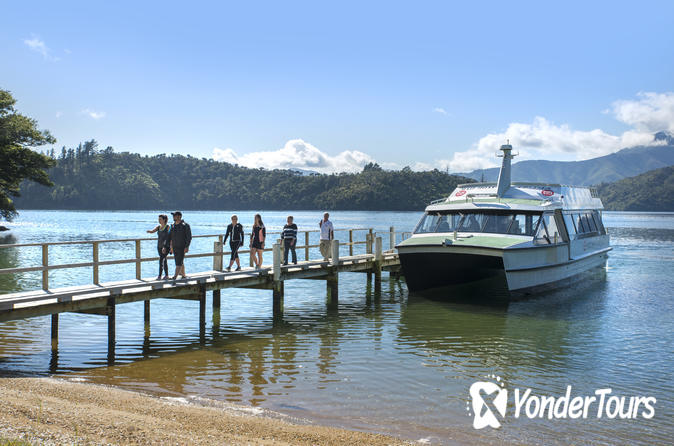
(289, 240)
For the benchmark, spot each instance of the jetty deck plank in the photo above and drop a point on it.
(88, 298)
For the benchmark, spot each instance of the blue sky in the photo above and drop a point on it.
(330, 87)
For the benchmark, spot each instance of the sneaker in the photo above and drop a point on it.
(285, 263)
(228, 269)
(294, 262)
(238, 268)
(166, 277)
(174, 277)
(158, 277)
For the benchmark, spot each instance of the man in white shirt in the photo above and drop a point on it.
(327, 234)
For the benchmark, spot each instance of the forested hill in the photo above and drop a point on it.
(604, 169)
(650, 191)
(87, 178)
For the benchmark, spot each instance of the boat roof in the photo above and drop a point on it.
(519, 196)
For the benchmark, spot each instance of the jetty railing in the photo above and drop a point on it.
(218, 252)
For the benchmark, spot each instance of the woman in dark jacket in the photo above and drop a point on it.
(257, 241)
(163, 244)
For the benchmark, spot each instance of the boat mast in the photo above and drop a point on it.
(504, 175)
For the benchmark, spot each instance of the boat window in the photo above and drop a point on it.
(551, 225)
(579, 224)
(487, 222)
(448, 222)
(519, 225)
(472, 222)
(428, 223)
(497, 224)
(541, 237)
(588, 222)
(570, 226)
(598, 222)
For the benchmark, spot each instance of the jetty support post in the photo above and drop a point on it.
(95, 261)
(217, 258)
(368, 249)
(146, 313)
(351, 242)
(110, 311)
(277, 287)
(55, 332)
(392, 238)
(332, 281)
(378, 258)
(216, 312)
(138, 264)
(202, 311)
(306, 245)
(45, 264)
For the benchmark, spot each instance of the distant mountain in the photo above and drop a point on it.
(605, 169)
(650, 191)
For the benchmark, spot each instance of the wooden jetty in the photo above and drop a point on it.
(102, 298)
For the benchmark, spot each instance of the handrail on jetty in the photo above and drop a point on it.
(217, 253)
(102, 298)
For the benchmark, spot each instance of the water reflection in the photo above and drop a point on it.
(386, 361)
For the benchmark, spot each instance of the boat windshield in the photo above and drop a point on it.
(471, 221)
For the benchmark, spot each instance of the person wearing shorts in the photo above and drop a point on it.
(180, 238)
(327, 235)
(257, 241)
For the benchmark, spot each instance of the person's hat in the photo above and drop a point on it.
(177, 213)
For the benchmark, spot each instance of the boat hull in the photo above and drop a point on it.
(497, 270)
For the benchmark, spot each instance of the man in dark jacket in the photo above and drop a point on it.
(181, 237)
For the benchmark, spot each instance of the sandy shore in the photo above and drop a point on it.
(50, 411)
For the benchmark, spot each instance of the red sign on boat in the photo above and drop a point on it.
(547, 193)
(460, 193)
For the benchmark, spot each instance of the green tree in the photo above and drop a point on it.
(18, 161)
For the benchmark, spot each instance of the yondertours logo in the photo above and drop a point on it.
(489, 404)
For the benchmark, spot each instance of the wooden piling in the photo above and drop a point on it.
(218, 257)
(95, 259)
(334, 250)
(350, 242)
(202, 307)
(138, 264)
(378, 257)
(45, 265)
(306, 245)
(110, 310)
(54, 332)
(392, 238)
(216, 301)
(332, 288)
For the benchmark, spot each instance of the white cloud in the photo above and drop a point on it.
(93, 113)
(59, 114)
(440, 110)
(36, 44)
(542, 139)
(652, 112)
(297, 154)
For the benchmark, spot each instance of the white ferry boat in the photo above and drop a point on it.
(519, 236)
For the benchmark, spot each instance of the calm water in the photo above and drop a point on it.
(388, 363)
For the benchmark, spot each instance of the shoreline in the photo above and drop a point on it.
(57, 411)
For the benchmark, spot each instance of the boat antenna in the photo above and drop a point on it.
(504, 175)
